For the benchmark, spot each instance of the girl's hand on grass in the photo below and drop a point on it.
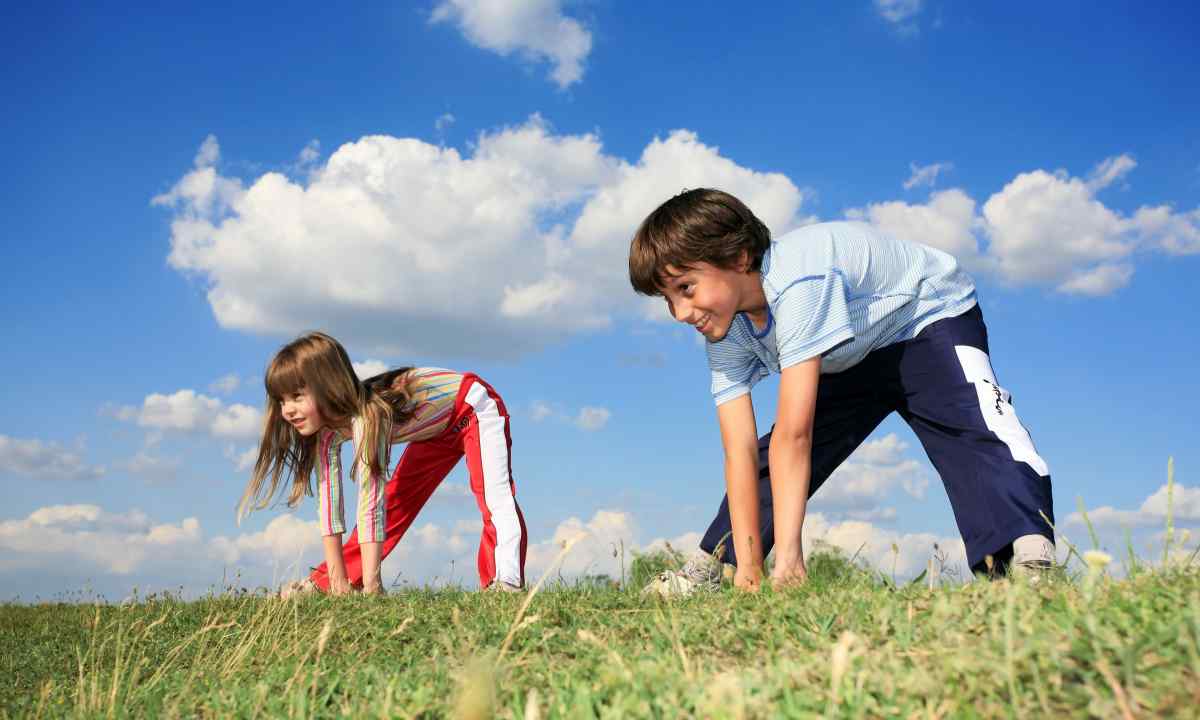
(339, 586)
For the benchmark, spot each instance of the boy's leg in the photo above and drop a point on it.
(997, 483)
(421, 469)
(487, 444)
(850, 405)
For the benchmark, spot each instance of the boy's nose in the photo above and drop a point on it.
(683, 311)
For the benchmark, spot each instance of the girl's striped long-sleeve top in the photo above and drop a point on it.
(432, 395)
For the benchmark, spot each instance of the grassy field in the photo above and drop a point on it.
(847, 644)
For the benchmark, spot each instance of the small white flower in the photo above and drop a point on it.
(1097, 560)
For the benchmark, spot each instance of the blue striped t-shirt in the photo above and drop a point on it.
(838, 290)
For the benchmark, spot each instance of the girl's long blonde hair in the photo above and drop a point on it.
(317, 363)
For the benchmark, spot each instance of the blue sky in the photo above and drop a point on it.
(440, 183)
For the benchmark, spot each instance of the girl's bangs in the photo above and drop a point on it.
(284, 377)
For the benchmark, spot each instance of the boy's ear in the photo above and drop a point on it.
(743, 262)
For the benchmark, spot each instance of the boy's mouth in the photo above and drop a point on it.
(702, 324)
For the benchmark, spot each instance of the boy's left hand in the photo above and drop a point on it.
(785, 577)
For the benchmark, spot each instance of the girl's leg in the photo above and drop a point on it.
(421, 469)
(487, 444)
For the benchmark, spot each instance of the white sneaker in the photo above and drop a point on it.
(1033, 556)
(297, 588)
(499, 586)
(701, 573)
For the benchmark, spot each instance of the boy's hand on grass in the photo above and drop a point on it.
(785, 577)
(749, 580)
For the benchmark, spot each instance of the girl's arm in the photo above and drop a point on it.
(335, 566)
(791, 466)
(372, 516)
(330, 512)
(740, 440)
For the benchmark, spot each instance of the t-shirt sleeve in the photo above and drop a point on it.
(811, 318)
(371, 507)
(735, 370)
(330, 512)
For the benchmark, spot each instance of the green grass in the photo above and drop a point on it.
(847, 644)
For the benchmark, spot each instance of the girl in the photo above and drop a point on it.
(315, 402)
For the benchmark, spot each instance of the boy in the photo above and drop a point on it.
(859, 325)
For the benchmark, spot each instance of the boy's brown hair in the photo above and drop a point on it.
(701, 225)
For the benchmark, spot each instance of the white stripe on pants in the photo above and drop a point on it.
(497, 485)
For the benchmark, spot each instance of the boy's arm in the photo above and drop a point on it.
(791, 465)
(739, 437)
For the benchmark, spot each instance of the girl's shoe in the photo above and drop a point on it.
(499, 586)
(296, 588)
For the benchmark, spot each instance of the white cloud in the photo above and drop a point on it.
(947, 222)
(539, 223)
(1100, 280)
(91, 540)
(389, 228)
(310, 153)
(242, 460)
(44, 461)
(1043, 228)
(1109, 171)
(188, 411)
(1141, 531)
(444, 121)
(1047, 227)
(592, 418)
(925, 175)
(593, 553)
(369, 368)
(540, 411)
(900, 13)
(534, 29)
(1185, 504)
(872, 472)
(152, 467)
(878, 546)
(454, 493)
(225, 384)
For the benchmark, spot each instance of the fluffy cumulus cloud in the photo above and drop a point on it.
(414, 248)
(1142, 530)
(869, 475)
(44, 461)
(189, 411)
(536, 30)
(368, 368)
(1043, 227)
(597, 543)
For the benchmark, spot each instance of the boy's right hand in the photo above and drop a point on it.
(748, 579)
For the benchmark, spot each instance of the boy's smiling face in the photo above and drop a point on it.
(708, 297)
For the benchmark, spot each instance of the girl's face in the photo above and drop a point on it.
(300, 409)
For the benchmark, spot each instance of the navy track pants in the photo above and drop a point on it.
(942, 384)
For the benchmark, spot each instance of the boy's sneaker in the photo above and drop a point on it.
(499, 586)
(701, 573)
(297, 588)
(1033, 557)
